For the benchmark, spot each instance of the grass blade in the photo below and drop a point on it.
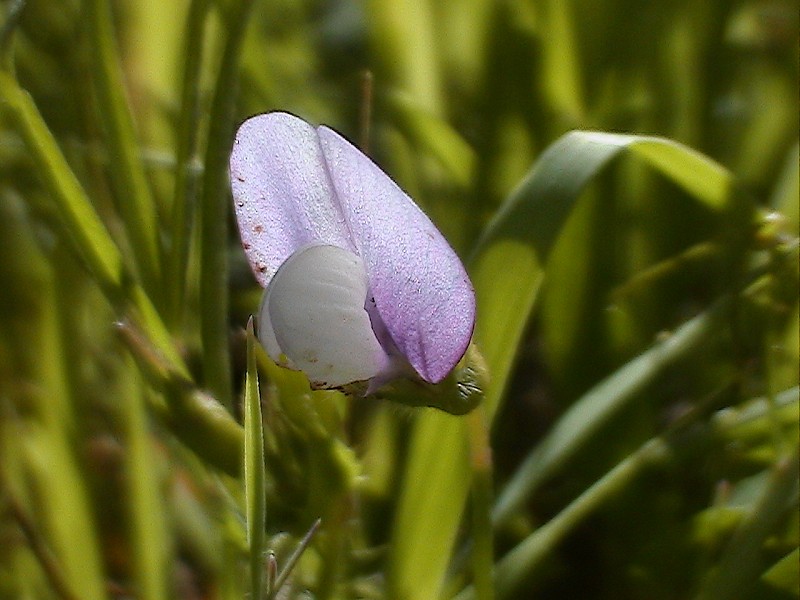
(507, 270)
(148, 525)
(740, 567)
(281, 579)
(434, 490)
(87, 231)
(92, 242)
(134, 198)
(596, 407)
(214, 210)
(516, 566)
(185, 180)
(254, 472)
(405, 47)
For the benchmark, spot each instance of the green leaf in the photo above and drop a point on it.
(405, 48)
(784, 196)
(92, 242)
(507, 270)
(214, 209)
(184, 194)
(152, 545)
(134, 198)
(784, 574)
(41, 470)
(254, 471)
(739, 567)
(428, 513)
(431, 133)
(518, 564)
(82, 225)
(88, 232)
(587, 415)
(561, 60)
(56, 482)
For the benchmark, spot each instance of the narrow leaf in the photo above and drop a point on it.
(88, 232)
(516, 566)
(134, 199)
(152, 551)
(739, 567)
(507, 270)
(91, 241)
(185, 179)
(214, 208)
(254, 471)
(597, 406)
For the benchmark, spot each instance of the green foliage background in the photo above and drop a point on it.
(637, 282)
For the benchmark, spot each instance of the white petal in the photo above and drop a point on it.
(313, 318)
(266, 335)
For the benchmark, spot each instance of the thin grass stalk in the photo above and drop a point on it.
(521, 562)
(87, 231)
(12, 16)
(41, 467)
(37, 544)
(193, 417)
(214, 207)
(481, 495)
(134, 198)
(597, 406)
(254, 472)
(740, 565)
(404, 43)
(147, 520)
(30, 308)
(184, 196)
(291, 563)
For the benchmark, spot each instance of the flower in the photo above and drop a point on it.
(360, 285)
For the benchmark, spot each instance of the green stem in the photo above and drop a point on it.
(185, 177)
(740, 565)
(483, 539)
(36, 542)
(598, 405)
(13, 13)
(214, 207)
(146, 513)
(524, 559)
(293, 559)
(254, 471)
(134, 199)
(87, 231)
(193, 417)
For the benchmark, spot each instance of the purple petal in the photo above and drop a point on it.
(294, 185)
(421, 290)
(282, 194)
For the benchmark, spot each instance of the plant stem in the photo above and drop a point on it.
(185, 178)
(134, 199)
(214, 207)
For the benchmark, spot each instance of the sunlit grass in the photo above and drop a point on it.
(637, 303)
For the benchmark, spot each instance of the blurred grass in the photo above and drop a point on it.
(123, 477)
